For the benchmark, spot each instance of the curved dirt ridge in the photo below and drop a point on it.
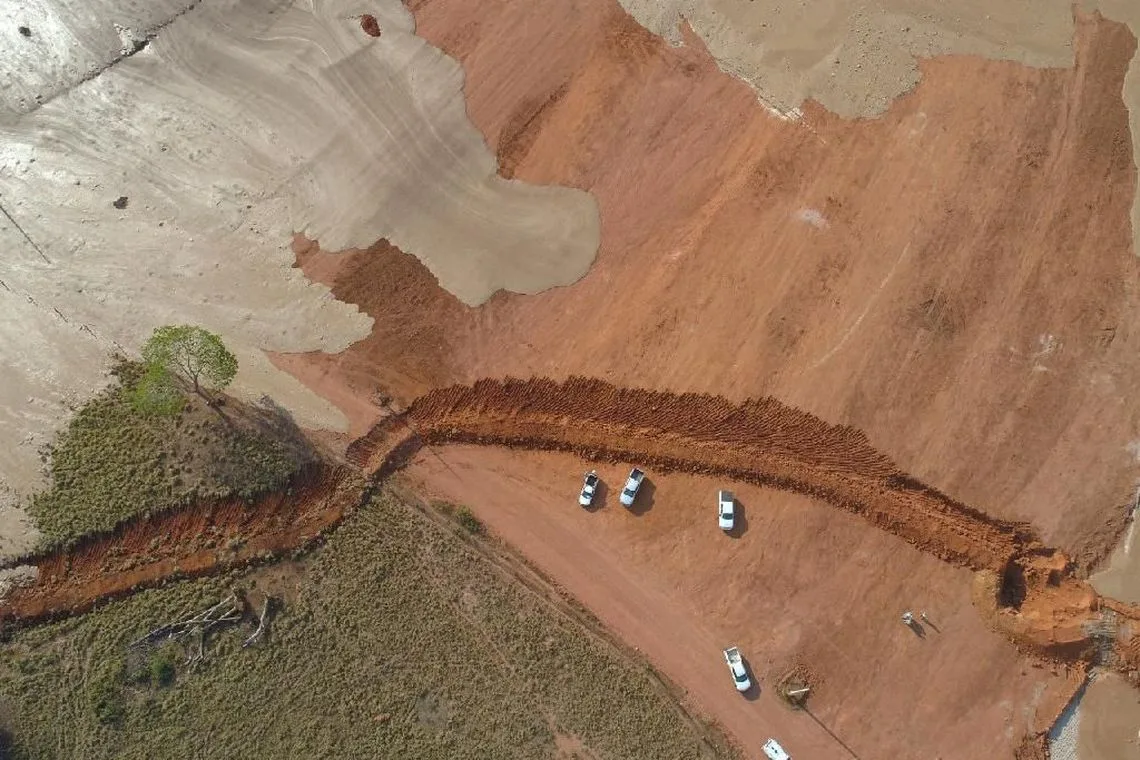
(1025, 590)
(761, 441)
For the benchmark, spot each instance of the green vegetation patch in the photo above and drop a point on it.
(113, 462)
(398, 639)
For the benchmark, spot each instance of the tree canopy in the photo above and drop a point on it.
(195, 354)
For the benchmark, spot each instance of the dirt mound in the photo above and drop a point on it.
(761, 441)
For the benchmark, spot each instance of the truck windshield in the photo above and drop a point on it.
(740, 677)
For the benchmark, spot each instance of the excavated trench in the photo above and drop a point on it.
(1024, 589)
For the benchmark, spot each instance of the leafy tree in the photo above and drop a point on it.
(198, 355)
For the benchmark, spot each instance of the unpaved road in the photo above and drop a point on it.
(801, 584)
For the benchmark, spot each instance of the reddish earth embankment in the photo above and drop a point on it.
(761, 441)
(187, 542)
(1024, 589)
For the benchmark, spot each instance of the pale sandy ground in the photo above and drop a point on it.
(856, 57)
(1108, 719)
(241, 122)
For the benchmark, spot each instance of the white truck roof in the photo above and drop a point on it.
(774, 751)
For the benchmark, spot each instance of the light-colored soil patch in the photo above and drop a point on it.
(1109, 725)
(167, 186)
(855, 58)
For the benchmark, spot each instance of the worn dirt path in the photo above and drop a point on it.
(667, 581)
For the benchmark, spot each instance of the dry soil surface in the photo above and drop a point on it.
(918, 276)
(156, 158)
(799, 584)
(955, 278)
(854, 58)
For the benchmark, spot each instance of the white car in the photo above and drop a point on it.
(726, 512)
(739, 671)
(589, 489)
(632, 484)
(774, 751)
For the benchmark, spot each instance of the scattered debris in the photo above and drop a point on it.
(370, 25)
(197, 627)
(120, 202)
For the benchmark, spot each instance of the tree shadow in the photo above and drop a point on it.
(916, 628)
(276, 423)
(645, 497)
(739, 519)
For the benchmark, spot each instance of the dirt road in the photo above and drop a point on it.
(800, 585)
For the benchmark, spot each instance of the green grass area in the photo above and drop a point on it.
(112, 462)
(399, 639)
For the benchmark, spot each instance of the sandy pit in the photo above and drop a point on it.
(155, 162)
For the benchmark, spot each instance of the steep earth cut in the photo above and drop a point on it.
(156, 161)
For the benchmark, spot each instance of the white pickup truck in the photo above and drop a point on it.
(632, 483)
(726, 510)
(739, 671)
(774, 751)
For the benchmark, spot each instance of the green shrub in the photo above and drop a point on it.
(469, 521)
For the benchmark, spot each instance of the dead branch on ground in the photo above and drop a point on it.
(229, 610)
(259, 634)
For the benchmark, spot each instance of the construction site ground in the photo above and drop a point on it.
(954, 278)
(799, 584)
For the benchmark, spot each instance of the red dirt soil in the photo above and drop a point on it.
(1025, 590)
(761, 441)
(183, 543)
(969, 303)
(826, 593)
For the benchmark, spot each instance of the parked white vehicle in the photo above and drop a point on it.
(589, 488)
(774, 751)
(632, 483)
(726, 510)
(739, 672)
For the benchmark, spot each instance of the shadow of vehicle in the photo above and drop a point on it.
(753, 692)
(739, 520)
(601, 493)
(645, 495)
